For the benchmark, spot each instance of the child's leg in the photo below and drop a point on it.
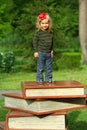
(49, 68)
(40, 67)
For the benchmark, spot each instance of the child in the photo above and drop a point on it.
(43, 46)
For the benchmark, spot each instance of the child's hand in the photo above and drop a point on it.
(36, 54)
(51, 53)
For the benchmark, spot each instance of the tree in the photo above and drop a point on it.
(83, 28)
(18, 19)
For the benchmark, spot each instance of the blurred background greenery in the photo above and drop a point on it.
(18, 25)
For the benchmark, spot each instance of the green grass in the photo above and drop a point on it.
(3, 111)
(12, 81)
(77, 120)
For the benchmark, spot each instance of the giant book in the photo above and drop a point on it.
(2, 125)
(16, 120)
(15, 101)
(32, 90)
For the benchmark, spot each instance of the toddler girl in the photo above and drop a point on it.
(43, 47)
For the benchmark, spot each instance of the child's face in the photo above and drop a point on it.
(44, 24)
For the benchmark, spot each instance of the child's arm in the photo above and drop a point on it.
(52, 53)
(35, 45)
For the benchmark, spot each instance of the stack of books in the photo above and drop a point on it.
(43, 106)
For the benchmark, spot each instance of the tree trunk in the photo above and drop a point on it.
(83, 28)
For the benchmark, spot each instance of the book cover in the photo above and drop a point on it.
(52, 90)
(15, 101)
(16, 120)
(2, 125)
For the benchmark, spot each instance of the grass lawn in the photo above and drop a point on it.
(12, 81)
(77, 120)
(3, 111)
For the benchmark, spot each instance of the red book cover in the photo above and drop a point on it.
(57, 89)
(23, 121)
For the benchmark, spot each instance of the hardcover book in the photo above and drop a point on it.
(43, 106)
(52, 90)
(15, 101)
(16, 120)
(2, 125)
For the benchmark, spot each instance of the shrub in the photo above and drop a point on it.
(6, 61)
(69, 60)
(55, 62)
(25, 64)
(32, 65)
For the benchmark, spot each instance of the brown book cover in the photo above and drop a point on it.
(15, 101)
(86, 99)
(16, 120)
(55, 84)
(2, 125)
(32, 89)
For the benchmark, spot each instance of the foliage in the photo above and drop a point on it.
(25, 64)
(61, 60)
(6, 61)
(78, 121)
(32, 65)
(5, 26)
(69, 60)
(18, 25)
(18, 19)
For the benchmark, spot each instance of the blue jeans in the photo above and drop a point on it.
(44, 61)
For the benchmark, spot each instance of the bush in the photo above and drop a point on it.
(32, 65)
(25, 64)
(55, 63)
(69, 60)
(6, 61)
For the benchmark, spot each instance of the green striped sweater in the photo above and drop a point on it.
(43, 41)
